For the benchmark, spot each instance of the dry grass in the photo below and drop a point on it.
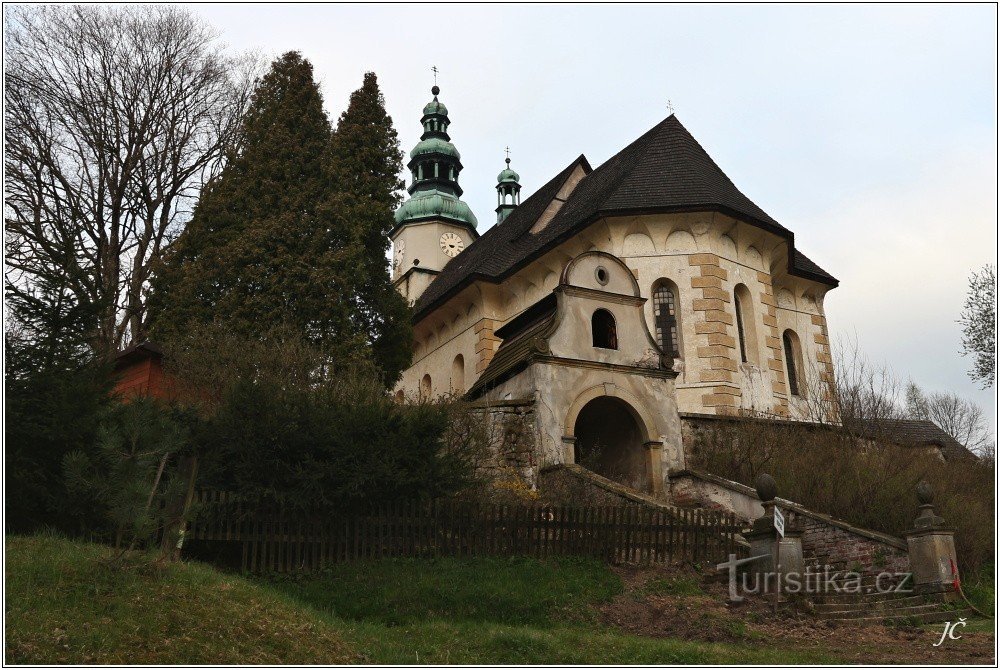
(70, 603)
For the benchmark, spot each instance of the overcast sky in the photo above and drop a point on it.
(868, 131)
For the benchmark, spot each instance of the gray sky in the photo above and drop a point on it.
(869, 131)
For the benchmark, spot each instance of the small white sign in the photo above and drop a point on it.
(779, 521)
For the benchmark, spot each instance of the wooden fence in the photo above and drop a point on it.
(276, 542)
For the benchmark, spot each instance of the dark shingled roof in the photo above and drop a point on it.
(923, 433)
(665, 170)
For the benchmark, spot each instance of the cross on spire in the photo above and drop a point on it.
(670, 106)
(434, 69)
(507, 152)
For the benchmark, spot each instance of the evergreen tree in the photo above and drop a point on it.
(243, 257)
(294, 232)
(365, 163)
(55, 391)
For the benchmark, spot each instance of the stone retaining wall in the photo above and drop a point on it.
(831, 541)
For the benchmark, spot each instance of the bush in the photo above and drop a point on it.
(280, 424)
(329, 448)
(867, 483)
(124, 474)
(54, 404)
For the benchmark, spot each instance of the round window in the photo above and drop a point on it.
(602, 275)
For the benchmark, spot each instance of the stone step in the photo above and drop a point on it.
(916, 619)
(866, 598)
(871, 605)
(892, 613)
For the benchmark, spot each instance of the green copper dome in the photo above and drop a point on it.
(508, 176)
(435, 107)
(432, 204)
(435, 145)
(435, 164)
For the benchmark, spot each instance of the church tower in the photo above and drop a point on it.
(508, 191)
(434, 225)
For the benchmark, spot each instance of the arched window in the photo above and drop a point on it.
(666, 317)
(458, 374)
(400, 397)
(425, 388)
(745, 324)
(793, 362)
(605, 332)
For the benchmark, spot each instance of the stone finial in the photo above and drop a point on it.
(927, 517)
(767, 488)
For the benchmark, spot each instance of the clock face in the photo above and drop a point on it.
(451, 244)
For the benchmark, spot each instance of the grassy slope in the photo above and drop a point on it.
(65, 604)
(496, 611)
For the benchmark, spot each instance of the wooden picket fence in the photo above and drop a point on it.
(271, 541)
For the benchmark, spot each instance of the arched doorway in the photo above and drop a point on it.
(610, 440)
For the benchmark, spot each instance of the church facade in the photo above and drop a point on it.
(621, 302)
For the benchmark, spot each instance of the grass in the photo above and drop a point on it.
(69, 602)
(981, 590)
(513, 591)
(500, 611)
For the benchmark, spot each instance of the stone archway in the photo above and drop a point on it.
(611, 441)
(628, 412)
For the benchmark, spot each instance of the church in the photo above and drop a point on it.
(624, 303)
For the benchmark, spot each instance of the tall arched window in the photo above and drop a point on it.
(602, 324)
(666, 317)
(458, 374)
(745, 324)
(425, 388)
(793, 362)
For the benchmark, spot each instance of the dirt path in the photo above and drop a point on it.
(676, 603)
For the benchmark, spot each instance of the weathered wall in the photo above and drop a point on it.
(705, 255)
(509, 430)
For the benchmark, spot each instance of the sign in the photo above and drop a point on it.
(779, 521)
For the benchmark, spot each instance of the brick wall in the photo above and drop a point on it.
(839, 548)
(832, 541)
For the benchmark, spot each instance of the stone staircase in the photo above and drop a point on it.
(872, 607)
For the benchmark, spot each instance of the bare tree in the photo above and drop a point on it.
(114, 119)
(963, 419)
(979, 325)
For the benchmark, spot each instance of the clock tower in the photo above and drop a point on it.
(434, 225)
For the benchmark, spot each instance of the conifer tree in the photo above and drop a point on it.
(243, 256)
(365, 163)
(294, 232)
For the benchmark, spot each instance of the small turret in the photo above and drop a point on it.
(508, 191)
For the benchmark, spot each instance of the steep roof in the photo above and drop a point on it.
(922, 433)
(665, 170)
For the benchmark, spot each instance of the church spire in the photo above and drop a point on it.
(434, 167)
(508, 190)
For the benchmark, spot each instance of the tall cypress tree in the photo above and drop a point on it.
(243, 256)
(365, 163)
(293, 234)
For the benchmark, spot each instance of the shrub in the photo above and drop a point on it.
(867, 483)
(124, 474)
(280, 424)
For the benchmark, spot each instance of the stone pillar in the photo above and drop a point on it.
(569, 449)
(931, 547)
(654, 460)
(764, 539)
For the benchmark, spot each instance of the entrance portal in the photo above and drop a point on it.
(609, 441)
